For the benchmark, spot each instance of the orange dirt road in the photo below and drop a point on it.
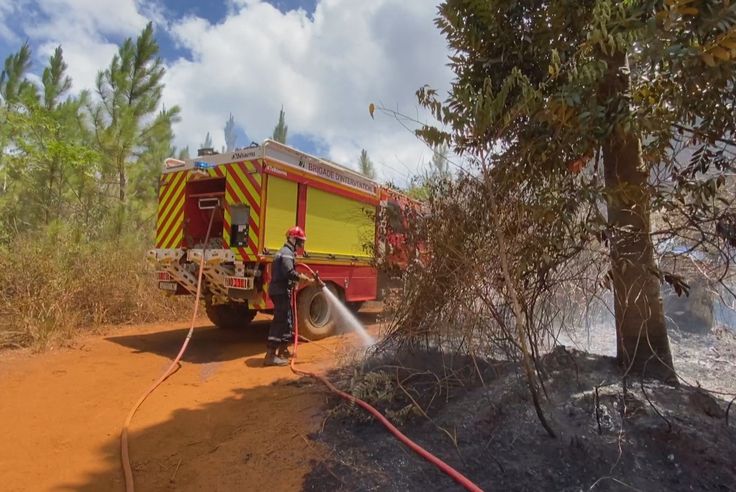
(221, 422)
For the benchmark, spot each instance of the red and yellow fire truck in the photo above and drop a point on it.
(256, 194)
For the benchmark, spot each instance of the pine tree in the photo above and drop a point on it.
(52, 165)
(280, 131)
(231, 137)
(207, 144)
(130, 94)
(13, 82)
(55, 80)
(365, 165)
(13, 85)
(146, 174)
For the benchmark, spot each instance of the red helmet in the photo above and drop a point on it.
(296, 232)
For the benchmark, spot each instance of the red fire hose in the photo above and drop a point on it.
(127, 470)
(129, 485)
(444, 467)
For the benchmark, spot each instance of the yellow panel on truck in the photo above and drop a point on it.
(338, 226)
(281, 198)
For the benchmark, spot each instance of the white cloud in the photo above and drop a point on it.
(87, 18)
(5, 33)
(86, 30)
(324, 70)
(9, 11)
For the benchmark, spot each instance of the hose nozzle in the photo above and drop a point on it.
(318, 280)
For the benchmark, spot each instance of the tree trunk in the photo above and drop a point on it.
(121, 206)
(642, 344)
(519, 314)
(50, 196)
(121, 174)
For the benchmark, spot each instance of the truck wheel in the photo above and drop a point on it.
(230, 316)
(355, 306)
(314, 313)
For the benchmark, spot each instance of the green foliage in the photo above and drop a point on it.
(130, 94)
(79, 180)
(281, 129)
(55, 80)
(546, 61)
(365, 165)
(49, 172)
(58, 165)
(536, 110)
(418, 190)
(13, 87)
(50, 159)
(183, 153)
(561, 106)
(13, 84)
(380, 390)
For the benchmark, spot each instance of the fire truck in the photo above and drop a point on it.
(252, 196)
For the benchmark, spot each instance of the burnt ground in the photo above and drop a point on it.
(641, 435)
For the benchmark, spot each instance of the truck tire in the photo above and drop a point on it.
(355, 306)
(314, 313)
(230, 316)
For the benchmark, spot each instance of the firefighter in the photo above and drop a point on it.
(284, 278)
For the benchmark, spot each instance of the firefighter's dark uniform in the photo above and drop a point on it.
(284, 278)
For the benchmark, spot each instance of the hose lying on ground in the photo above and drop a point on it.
(444, 467)
(129, 486)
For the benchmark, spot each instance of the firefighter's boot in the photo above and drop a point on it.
(283, 351)
(273, 360)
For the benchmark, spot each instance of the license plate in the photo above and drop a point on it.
(170, 286)
(163, 276)
(245, 283)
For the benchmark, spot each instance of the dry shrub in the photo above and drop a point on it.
(501, 274)
(375, 387)
(457, 299)
(54, 286)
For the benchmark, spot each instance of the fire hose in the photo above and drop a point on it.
(441, 465)
(125, 457)
(127, 470)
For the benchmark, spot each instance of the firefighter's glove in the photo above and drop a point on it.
(305, 280)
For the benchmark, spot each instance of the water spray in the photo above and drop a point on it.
(343, 313)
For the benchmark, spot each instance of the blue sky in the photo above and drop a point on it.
(324, 61)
